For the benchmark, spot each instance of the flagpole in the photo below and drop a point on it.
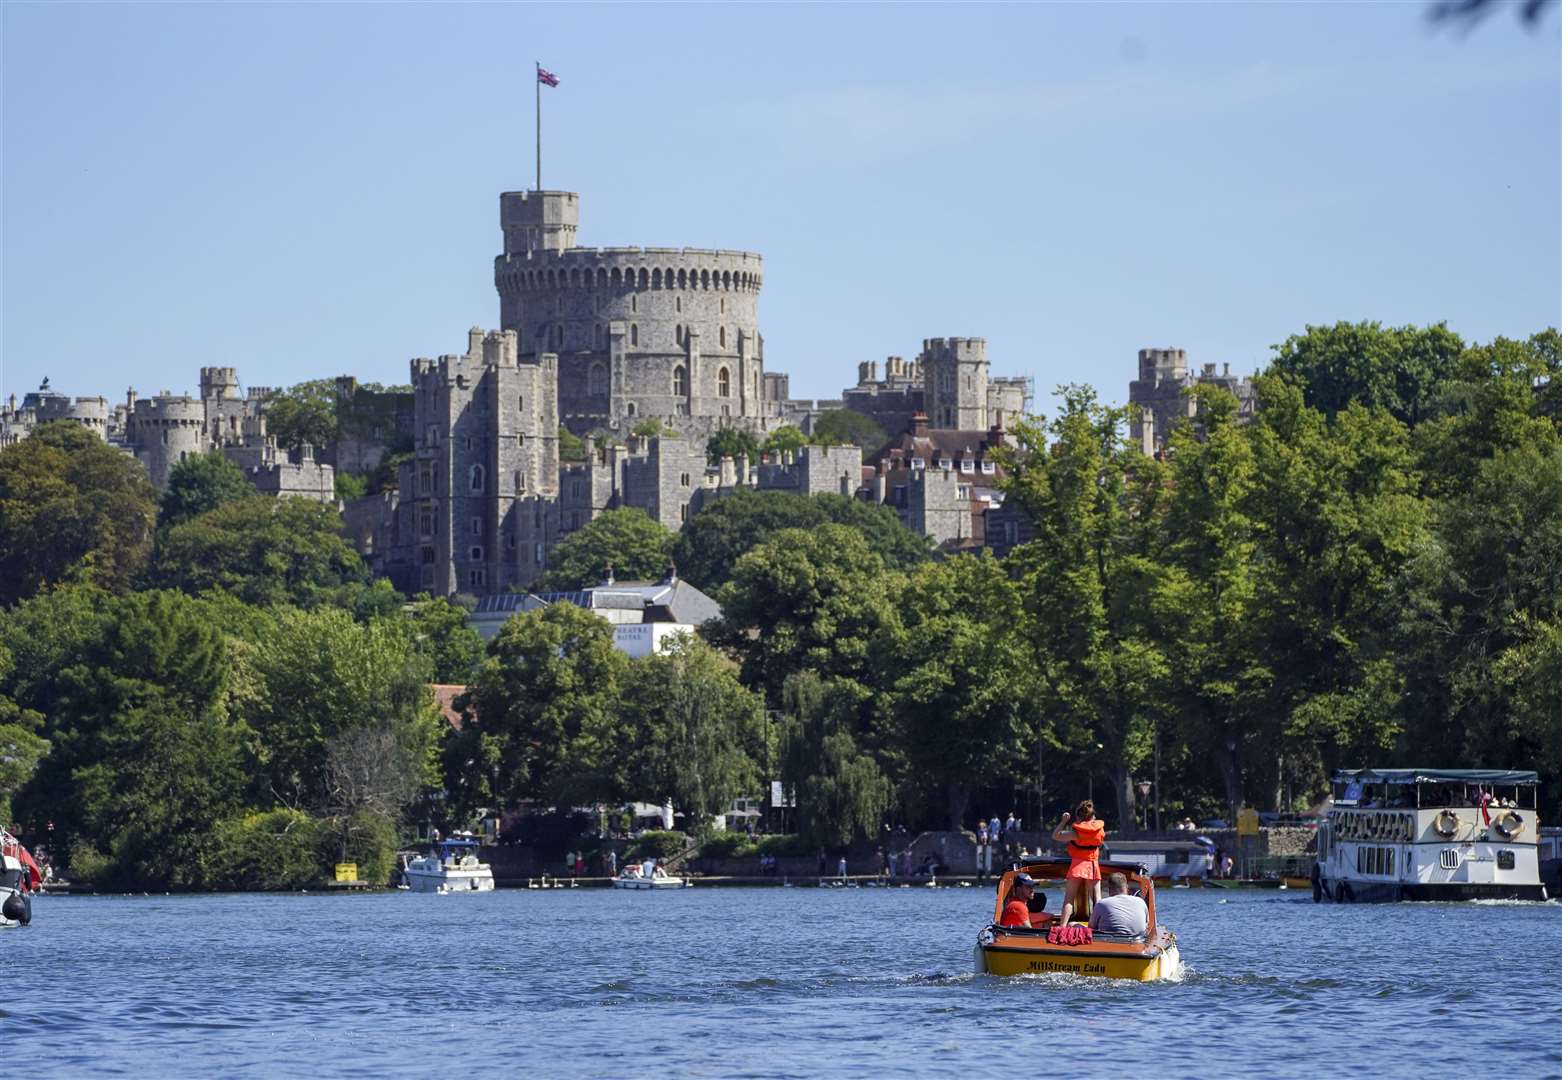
(537, 85)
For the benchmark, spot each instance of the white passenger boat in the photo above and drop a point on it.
(453, 866)
(19, 879)
(1429, 834)
(648, 876)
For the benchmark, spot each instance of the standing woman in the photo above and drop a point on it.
(1084, 836)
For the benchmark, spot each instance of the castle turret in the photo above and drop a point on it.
(954, 380)
(219, 382)
(164, 431)
(538, 220)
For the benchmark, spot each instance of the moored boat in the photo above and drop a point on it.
(19, 879)
(648, 875)
(1429, 834)
(452, 866)
(1018, 950)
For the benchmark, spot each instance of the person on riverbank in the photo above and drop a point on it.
(1084, 835)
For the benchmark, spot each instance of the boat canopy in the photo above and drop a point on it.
(1435, 776)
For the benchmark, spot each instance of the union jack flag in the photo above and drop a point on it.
(547, 77)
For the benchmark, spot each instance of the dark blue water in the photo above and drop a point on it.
(764, 983)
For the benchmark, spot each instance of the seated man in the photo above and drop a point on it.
(1119, 912)
(1016, 910)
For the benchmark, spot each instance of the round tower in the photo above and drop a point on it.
(639, 332)
(164, 431)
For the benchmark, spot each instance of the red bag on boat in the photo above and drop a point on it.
(1069, 935)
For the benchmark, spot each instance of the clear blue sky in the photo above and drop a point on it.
(307, 190)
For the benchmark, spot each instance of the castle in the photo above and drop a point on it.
(1160, 393)
(164, 430)
(647, 352)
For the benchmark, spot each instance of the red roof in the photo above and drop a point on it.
(445, 694)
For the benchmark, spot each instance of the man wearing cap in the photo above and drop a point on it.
(1017, 911)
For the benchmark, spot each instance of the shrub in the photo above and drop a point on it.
(659, 845)
(727, 845)
(789, 844)
(278, 849)
(88, 864)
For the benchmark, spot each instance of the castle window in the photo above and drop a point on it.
(634, 333)
(678, 333)
(537, 554)
(520, 403)
(520, 480)
(509, 540)
(476, 477)
(723, 383)
(680, 381)
(684, 479)
(629, 408)
(426, 524)
(476, 553)
(596, 379)
(678, 304)
(723, 336)
(476, 578)
(520, 439)
(634, 302)
(425, 479)
(477, 526)
(726, 410)
(428, 556)
(466, 443)
(683, 512)
(724, 305)
(558, 335)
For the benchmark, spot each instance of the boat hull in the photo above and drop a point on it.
(654, 883)
(450, 881)
(1146, 966)
(1388, 892)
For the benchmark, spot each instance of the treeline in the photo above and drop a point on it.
(211, 693)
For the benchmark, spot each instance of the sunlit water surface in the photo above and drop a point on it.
(764, 983)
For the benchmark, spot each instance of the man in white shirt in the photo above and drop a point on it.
(1119, 912)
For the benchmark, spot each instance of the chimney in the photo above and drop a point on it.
(742, 469)
(729, 474)
(919, 424)
(1228, 369)
(607, 574)
(670, 575)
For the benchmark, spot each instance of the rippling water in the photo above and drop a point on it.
(764, 983)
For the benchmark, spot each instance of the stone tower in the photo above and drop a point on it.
(165, 430)
(220, 383)
(483, 486)
(954, 380)
(665, 333)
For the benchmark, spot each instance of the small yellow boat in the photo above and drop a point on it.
(1016, 950)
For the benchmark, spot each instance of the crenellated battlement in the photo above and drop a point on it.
(632, 268)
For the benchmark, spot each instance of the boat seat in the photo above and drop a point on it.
(1119, 939)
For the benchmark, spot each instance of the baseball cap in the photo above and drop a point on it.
(1024, 879)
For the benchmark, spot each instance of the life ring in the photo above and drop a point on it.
(1446, 823)
(1509, 825)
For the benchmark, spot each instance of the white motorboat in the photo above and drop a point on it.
(19, 878)
(452, 866)
(648, 875)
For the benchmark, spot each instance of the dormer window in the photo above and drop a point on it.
(945, 463)
(967, 465)
(989, 468)
(918, 463)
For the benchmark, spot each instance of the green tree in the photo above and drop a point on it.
(1402, 369)
(21, 747)
(262, 550)
(1479, 614)
(1097, 504)
(714, 539)
(305, 413)
(324, 678)
(571, 446)
(351, 486)
(695, 733)
(144, 758)
(72, 508)
(201, 483)
(546, 708)
(652, 428)
(841, 792)
(628, 539)
(1205, 594)
(784, 439)
(440, 633)
(842, 427)
(1337, 514)
(809, 599)
(962, 677)
(733, 443)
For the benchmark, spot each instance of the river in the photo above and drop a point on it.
(763, 982)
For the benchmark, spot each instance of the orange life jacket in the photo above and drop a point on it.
(1088, 837)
